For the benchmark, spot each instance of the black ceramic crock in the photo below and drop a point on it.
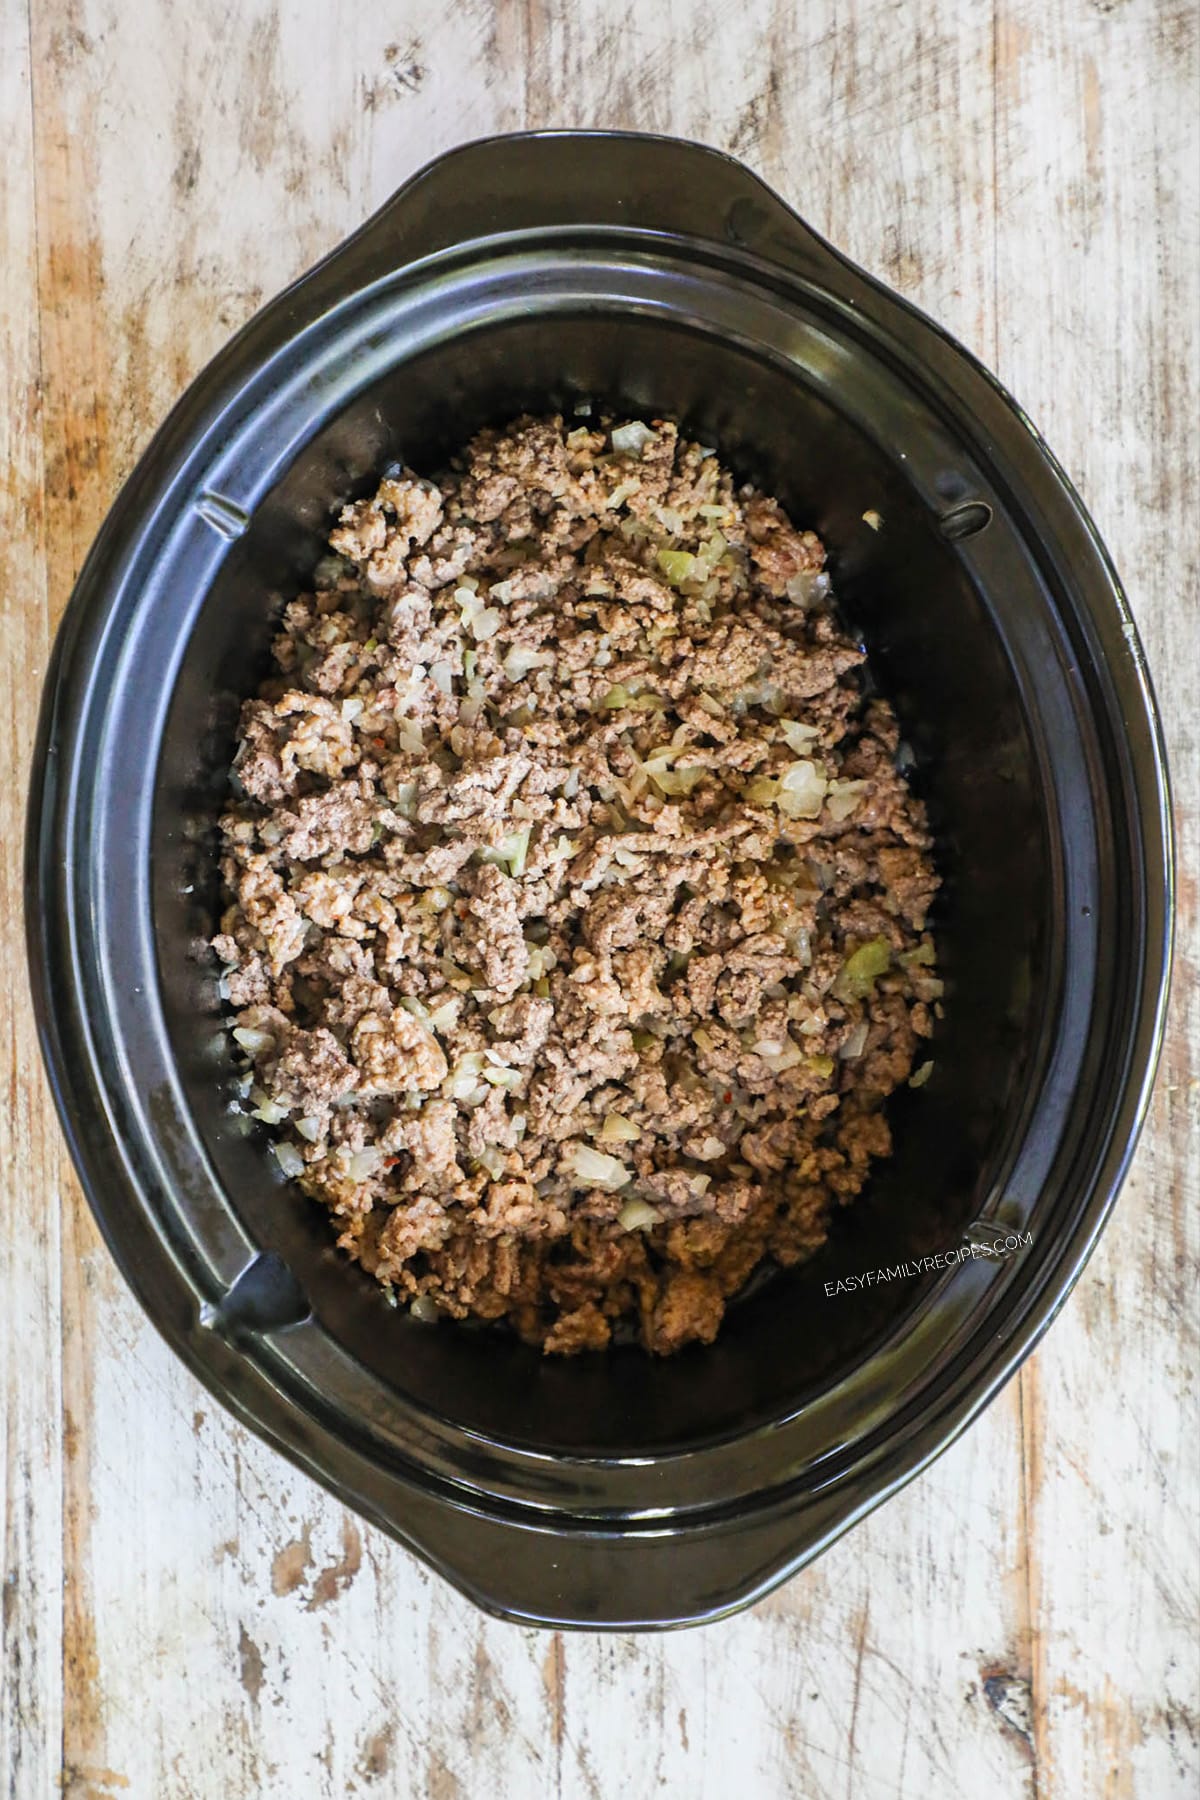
(535, 272)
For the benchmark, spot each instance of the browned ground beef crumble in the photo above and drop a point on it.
(578, 930)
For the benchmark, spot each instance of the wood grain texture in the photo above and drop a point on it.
(30, 1159)
(185, 1616)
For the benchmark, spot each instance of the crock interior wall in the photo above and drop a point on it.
(937, 655)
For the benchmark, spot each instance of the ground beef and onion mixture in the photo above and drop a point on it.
(578, 921)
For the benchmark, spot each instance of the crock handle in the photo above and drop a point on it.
(537, 180)
(576, 1579)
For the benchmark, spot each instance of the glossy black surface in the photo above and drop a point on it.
(533, 272)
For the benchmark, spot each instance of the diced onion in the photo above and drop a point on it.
(592, 1168)
(617, 1129)
(763, 791)
(425, 1309)
(676, 781)
(519, 662)
(798, 737)
(512, 850)
(288, 1158)
(309, 1128)
(541, 960)
(801, 790)
(252, 1041)
(492, 1160)
(517, 843)
(364, 1163)
(860, 971)
(270, 1112)
(844, 797)
(470, 607)
(676, 565)
(855, 1042)
(463, 1078)
(631, 439)
(405, 798)
(445, 1016)
(486, 624)
(807, 588)
(921, 1075)
(638, 1215)
(503, 1078)
(796, 938)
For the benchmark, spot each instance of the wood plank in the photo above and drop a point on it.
(30, 1157)
(227, 1627)
(78, 487)
(1098, 268)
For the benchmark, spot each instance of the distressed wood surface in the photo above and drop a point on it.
(185, 1616)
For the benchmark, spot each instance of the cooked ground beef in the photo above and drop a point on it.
(578, 924)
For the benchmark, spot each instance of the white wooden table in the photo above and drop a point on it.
(183, 1614)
